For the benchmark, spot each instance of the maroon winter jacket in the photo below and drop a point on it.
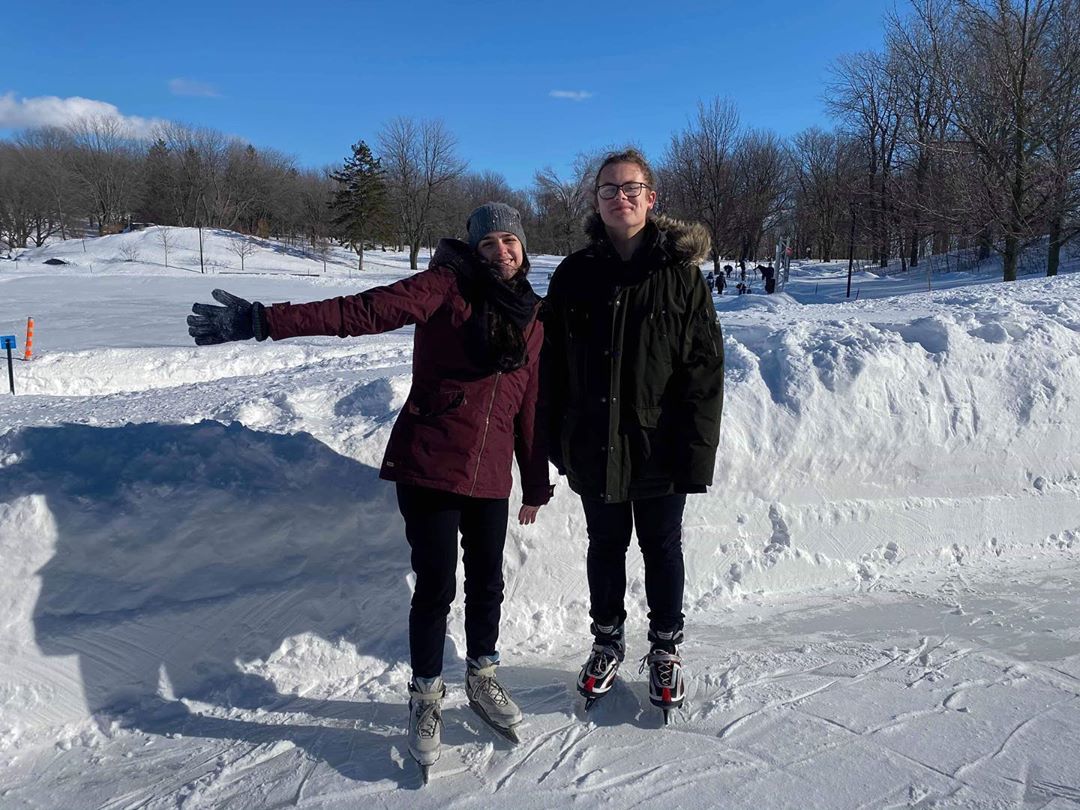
(460, 426)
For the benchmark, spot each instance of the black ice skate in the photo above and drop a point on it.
(597, 676)
(666, 687)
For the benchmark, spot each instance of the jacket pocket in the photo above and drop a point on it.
(650, 451)
(655, 336)
(435, 403)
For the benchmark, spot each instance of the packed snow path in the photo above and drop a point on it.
(205, 584)
(947, 692)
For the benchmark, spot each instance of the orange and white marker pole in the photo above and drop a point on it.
(29, 339)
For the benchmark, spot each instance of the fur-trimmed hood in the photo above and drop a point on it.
(683, 241)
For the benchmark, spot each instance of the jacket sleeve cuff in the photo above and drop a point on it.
(259, 325)
(537, 495)
(690, 489)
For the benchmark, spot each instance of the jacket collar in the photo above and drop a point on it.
(682, 242)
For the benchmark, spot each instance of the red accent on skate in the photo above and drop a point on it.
(590, 682)
(667, 695)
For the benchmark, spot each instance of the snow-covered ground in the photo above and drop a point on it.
(204, 583)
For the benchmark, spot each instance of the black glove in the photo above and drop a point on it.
(237, 320)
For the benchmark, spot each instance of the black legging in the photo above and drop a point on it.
(659, 533)
(432, 521)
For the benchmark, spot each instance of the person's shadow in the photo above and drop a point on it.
(188, 556)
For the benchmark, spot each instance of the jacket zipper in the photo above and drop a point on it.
(483, 439)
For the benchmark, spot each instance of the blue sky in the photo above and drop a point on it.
(312, 78)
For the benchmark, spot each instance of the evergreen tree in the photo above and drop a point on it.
(159, 186)
(359, 203)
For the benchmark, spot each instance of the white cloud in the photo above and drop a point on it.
(190, 87)
(573, 95)
(52, 111)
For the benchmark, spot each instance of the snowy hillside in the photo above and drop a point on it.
(205, 584)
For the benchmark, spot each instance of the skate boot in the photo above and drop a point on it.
(666, 687)
(489, 698)
(597, 676)
(425, 722)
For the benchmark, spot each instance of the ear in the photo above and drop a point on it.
(652, 199)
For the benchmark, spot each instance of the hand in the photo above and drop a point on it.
(234, 321)
(527, 514)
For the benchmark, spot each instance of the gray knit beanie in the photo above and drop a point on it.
(494, 216)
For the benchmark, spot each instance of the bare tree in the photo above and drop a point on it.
(322, 251)
(243, 247)
(18, 198)
(762, 182)
(561, 205)
(420, 160)
(1062, 131)
(699, 175)
(164, 236)
(924, 115)
(991, 55)
(105, 159)
(824, 165)
(46, 154)
(864, 96)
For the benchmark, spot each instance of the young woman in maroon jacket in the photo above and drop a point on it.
(471, 409)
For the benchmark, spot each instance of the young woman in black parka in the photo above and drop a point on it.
(632, 373)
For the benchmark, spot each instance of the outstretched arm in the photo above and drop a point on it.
(381, 309)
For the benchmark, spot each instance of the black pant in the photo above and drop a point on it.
(432, 521)
(659, 533)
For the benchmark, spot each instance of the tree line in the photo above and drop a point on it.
(962, 132)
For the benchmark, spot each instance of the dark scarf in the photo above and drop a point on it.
(501, 310)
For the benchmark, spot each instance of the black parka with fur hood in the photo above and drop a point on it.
(633, 365)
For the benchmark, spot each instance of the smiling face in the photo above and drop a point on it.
(622, 214)
(503, 251)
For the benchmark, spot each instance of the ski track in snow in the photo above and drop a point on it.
(204, 598)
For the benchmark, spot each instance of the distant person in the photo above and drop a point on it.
(633, 376)
(742, 274)
(770, 279)
(470, 410)
(710, 280)
(728, 270)
(721, 284)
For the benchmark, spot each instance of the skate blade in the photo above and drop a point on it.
(592, 700)
(668, 709)
(425, 770)
(508, 733)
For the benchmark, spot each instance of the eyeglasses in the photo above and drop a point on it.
(609, 191)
